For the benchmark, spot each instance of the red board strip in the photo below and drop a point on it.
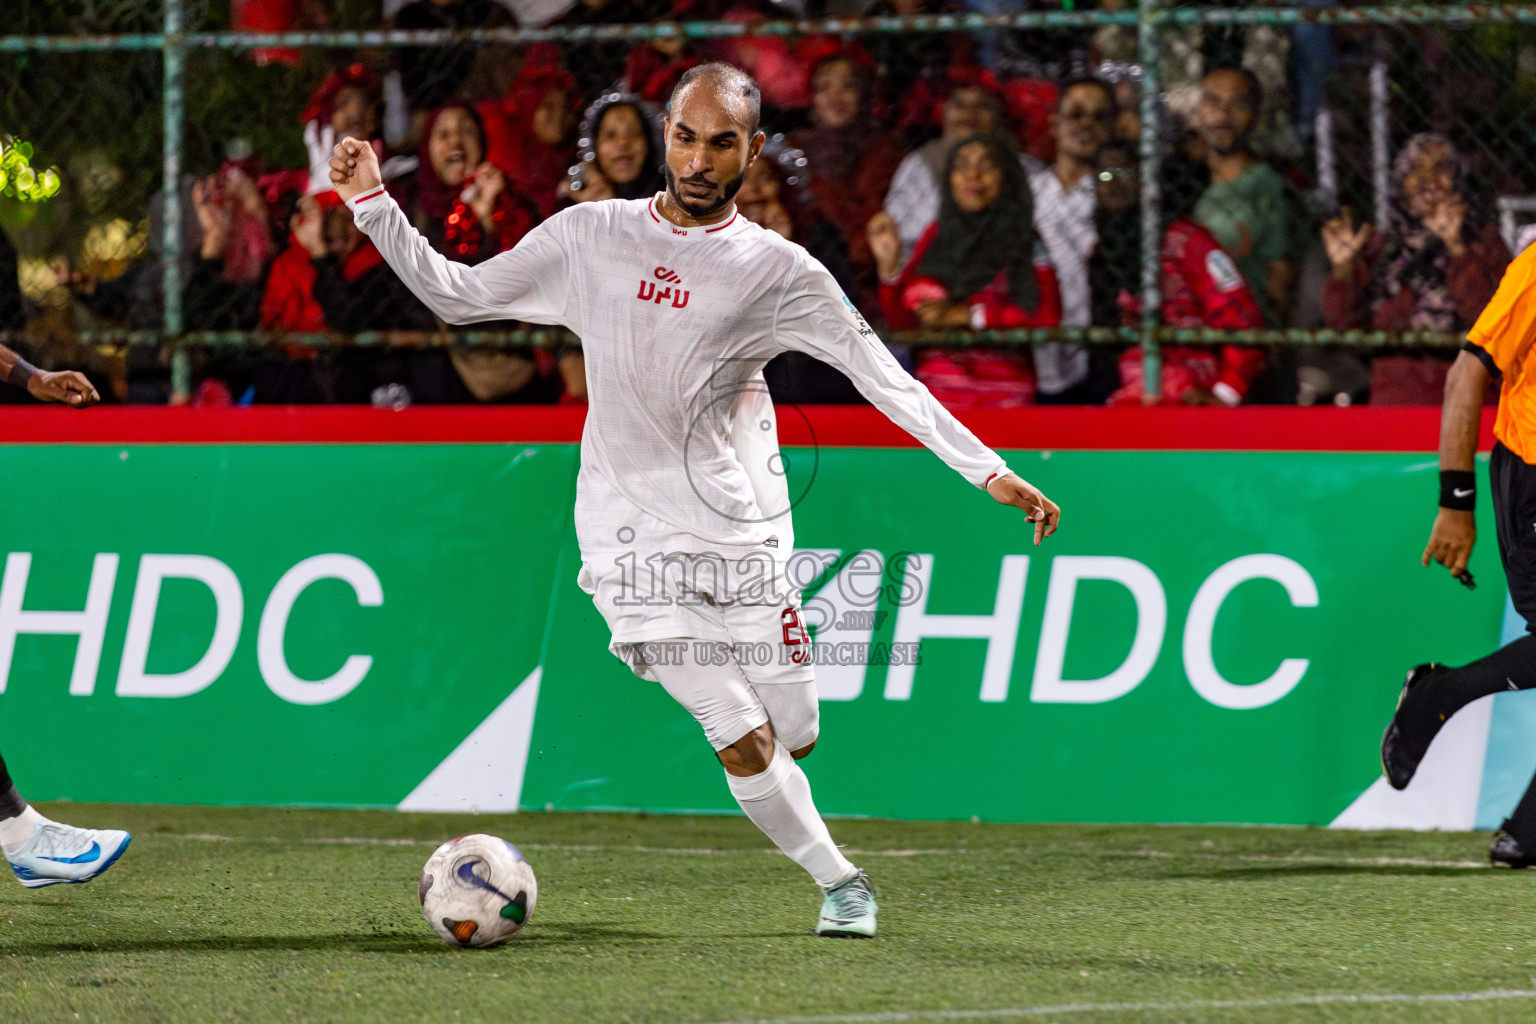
(1277, 428)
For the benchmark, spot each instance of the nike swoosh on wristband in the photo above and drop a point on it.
(1462, 493)
(93, 854)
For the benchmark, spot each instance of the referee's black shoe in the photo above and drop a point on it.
(1413, 727)
(1506, 852)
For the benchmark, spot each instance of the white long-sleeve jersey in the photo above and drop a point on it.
(679, 450)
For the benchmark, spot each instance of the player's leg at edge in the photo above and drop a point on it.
(769, 785)
(46, 852)
(774, 792)
(1431, 694)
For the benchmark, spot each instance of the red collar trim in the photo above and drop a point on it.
(650, 207)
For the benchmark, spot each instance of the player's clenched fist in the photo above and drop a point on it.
(1010, 489)
(355, 168)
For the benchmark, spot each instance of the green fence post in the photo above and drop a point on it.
(170, 267)
(1149, 50)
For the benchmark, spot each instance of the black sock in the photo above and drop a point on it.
(1521, 822)
(11, 803)
(1509, 668)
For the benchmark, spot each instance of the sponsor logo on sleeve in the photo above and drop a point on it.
(1223, 271)
(858, 318)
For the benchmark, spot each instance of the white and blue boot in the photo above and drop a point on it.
(57, 853)
(849, 910)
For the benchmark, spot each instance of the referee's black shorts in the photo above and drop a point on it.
(1513, 483)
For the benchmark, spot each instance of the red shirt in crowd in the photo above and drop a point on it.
(288, 304)
(1202, 287)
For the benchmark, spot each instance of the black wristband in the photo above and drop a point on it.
(1458, 489)
(21, 373)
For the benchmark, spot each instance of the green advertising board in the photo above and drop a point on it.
(1210, 636)
(450, 553)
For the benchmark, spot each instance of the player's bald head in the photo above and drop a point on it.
(727, 83)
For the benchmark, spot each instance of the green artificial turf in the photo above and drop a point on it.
(220, 914)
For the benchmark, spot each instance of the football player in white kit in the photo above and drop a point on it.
(42, 851)
(682, 510)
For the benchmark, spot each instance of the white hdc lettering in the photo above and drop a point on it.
(133, 677)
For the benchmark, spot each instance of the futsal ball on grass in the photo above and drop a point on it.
(477, 891)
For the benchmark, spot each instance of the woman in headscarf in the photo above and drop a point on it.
(979, 266)
(465, 205)
(1439, 261)
(1434, 269)
(469, 211)
(851, 157)
(532, 131)
(620, 151)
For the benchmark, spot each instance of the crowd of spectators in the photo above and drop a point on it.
(946, 187)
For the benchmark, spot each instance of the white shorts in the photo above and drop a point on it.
(728, 707)
(743, 611)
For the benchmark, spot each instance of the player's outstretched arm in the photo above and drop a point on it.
(1455, 531)
(815, 318)
(65, 386)
(1011, 489)
(528, 282)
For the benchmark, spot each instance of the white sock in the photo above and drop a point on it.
(14, 832)
(779, 802)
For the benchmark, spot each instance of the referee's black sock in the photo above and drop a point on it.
(1509, 668)
(11, 803)
(1521, 822)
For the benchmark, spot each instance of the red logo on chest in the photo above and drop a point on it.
(673, 291)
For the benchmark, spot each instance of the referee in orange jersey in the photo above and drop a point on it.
(1499, 346)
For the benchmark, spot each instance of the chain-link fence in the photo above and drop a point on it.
(1262, 204)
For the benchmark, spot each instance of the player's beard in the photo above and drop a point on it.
(699, 210)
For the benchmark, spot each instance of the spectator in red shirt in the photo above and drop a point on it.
(330, 278)
(979, 266)
(288, 302)
(531, 133)
(1201, 287)
(355, 288)
(852, 159)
